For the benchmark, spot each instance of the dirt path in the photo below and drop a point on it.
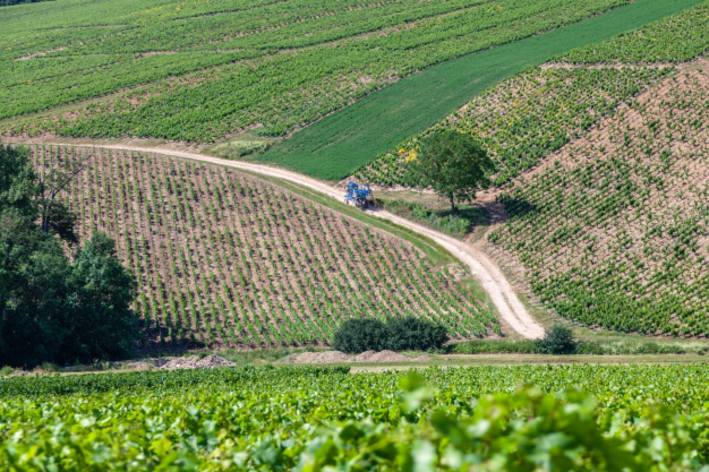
(483, 269)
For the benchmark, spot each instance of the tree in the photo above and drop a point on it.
(359, 335)
(49, 306)
(414, 334)
(451, 163)
(559, 340)
(102, 293)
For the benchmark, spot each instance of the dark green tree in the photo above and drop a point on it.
(414, 334)
(558, 340)
(103, 292)
(45, 300)
(453, 164)
(359, 335)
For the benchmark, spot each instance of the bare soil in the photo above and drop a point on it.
(333, 357)
(194, 362)
(483, 269)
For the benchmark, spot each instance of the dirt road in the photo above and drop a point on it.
(483, 269)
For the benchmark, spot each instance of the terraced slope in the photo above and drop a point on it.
(224, 259)
(197, 71)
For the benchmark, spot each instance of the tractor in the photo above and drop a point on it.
(357, 196)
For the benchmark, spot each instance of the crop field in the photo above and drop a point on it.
(339, 144)
(224, 259)
(198, 71)
(633, 417)
(526, 118)
(613, 228)
(680, 38)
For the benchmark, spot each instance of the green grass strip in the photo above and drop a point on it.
(435, 254)
(333, 147)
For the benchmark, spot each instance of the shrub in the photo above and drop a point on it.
(414, 334)
(359, 335)
(399, 334)
(559, 340)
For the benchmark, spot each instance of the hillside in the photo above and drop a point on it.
(198, 71)
(603, 176)
(226, 259)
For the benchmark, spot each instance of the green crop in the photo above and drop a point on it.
(680, 38)
(225, 259)
(558, 418)
(197, 72)
(613, 232)
(528, 117)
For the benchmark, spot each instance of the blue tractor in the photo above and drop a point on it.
(357, 196)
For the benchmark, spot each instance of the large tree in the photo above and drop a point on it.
(51, 309)
(453, 164)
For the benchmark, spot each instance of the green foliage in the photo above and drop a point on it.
(104, 291)
(414, 334)
(44, 298)
(456, 224)
(452, 164)
(596, 347)
(558, 340)
(679, 38)
(581, 417)
(527, 118)
(487, 346)
(359, 335)
(398, 334)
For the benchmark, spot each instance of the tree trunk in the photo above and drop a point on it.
(453, 208)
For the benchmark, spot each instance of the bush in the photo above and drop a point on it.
(359, 335)
(398, 334)
(414, 334)
(559, 340)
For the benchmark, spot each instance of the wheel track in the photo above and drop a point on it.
(488, 275)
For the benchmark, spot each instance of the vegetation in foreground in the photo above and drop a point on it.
(486, 418)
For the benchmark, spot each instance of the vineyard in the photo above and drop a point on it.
(526, 118)
(202, 70)
(557, 418)
(613, 228)
(224, 259)
(680, 38)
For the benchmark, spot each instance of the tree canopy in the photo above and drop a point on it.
(453, 164)
(50, 308)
